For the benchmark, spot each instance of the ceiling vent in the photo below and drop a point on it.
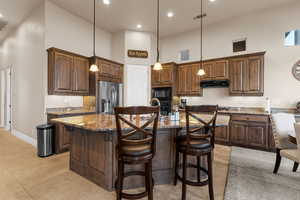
(2, 24)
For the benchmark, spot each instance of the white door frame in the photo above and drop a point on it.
(5, 92)
(8, 99)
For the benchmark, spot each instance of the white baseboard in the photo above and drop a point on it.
(24, 137)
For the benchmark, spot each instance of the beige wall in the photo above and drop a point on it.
(264, 32)
(72, 33)
(23, 50)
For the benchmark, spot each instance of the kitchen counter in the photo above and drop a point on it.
(93, 145)
(67, 112)
(104, 123)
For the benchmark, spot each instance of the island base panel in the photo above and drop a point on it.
(93, 156)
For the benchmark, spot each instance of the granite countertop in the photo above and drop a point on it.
(70, 112)
(242, 111)
(245, 111)
(104, 123)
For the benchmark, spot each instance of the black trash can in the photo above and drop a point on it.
(45, 137)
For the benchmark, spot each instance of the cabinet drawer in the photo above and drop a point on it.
(254, 118)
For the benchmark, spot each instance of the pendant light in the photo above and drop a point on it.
(201, 71)
(94, 67)
(157, 65)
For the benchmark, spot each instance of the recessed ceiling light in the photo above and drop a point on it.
(170, 14)
(212, 0)
(106, 2)
(1, 15)
(139, 26)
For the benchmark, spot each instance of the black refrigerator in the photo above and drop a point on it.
(165, 97)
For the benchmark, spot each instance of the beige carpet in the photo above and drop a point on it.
(24, 176)
(251, 177)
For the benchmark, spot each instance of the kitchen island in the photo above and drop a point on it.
(93, 148)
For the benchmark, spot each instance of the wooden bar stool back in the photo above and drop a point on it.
(136, 145)
(198, 141)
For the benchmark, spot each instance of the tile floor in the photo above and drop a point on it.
(24, 176)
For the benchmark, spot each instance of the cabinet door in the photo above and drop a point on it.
(182, 78)
(64, 138)
(118, 73)
(257, 134)
(236, 68)
(238, 133)
(166, 75)
(81, 75)
(253, 73)
(105, 68)
(221, 134)
(63, 70)
(195, 80)
(155, 77)
(220, 70)
(208, 68)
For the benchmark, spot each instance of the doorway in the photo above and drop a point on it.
(138, 85)
(5, 86)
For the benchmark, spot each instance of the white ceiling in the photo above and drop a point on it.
(126, 14)
(14, 11)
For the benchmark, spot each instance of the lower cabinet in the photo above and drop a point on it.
(250, 133)
(61, 133)
(62, 139)
(222, 134)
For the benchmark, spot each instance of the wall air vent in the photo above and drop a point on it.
(239, 45)
(184, 55)
(2, 24)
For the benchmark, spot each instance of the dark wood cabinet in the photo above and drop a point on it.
(61, 133)
(68, 73)
(188, 82)
(238, 133)
(222, 134)
(164, 77)
(220, 71)
(246, 76)
(63, 65)
(257, 135)
(215, 70)
(250, 131)
(81, 75)
(236, 76)
(109, 70)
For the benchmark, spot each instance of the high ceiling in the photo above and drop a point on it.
(126, 14)
(14, 11)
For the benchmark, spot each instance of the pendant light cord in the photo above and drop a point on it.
(94, 30)
(157, 32)
(201, 34)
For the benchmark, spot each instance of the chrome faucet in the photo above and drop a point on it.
(153, 100)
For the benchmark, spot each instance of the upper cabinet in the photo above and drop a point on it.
(247, 75)
(68, 74)
(188, 82)
(109, 70)
(215, 70)
(164, 77)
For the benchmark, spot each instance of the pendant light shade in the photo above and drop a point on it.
(94, 67)
(201, 71)
(157, 65)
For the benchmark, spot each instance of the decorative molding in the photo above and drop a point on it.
(24, 137)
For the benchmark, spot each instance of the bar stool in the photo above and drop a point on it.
(197, 142)
(136, 146)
